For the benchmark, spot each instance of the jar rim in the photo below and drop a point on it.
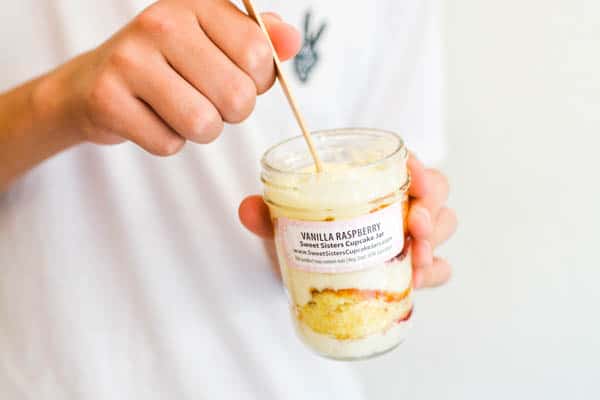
(331, 133)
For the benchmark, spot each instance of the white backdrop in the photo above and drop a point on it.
(521, 317)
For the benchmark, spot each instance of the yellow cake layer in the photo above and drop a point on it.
(352, 314)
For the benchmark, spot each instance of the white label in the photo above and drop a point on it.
(342, 246)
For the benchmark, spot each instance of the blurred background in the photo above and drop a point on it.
(520, 317)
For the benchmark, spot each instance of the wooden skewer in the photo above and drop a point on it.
(284, 85)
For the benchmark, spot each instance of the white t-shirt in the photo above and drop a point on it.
(125, 276)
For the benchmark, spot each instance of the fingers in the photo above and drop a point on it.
(430, 271)
(422, 253)
(418, 183)
(245, 43)
(420, 224)
(241, 39)
(285, 38)
(435, 274)
(149, 131)
(438, 190)
(430, 223)
(200, 62)
(254, 215)
(116, 109)
(424, 210)
(185, 68)
(177, 102)
(445, 226)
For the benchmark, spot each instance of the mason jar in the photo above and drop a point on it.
(341, 240)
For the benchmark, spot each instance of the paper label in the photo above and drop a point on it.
(342, 246)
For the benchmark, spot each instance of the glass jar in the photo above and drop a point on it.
(341, 239)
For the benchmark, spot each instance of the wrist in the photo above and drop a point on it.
(54, 111)
(34, 126)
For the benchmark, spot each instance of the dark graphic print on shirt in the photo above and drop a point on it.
(308, 56)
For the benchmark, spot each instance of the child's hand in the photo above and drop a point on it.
(430, 222)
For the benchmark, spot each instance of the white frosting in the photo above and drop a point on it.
(392, 277)
(359, 167)
(345, 190)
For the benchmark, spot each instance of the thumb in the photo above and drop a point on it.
(254, 215)
(286, 39)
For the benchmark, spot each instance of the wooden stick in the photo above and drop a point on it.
(284, 85)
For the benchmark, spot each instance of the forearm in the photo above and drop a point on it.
(33, 127)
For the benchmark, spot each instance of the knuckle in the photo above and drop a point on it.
(100, 99)
(154, 20)
(257, 59)
(239, 99)
(210, 126)
(445, 227)
(168, 147)
(123, 57)
(205, 125)
(441, 182)
(264, 86)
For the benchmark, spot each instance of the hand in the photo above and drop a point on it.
(176, 72)
(430, 223)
